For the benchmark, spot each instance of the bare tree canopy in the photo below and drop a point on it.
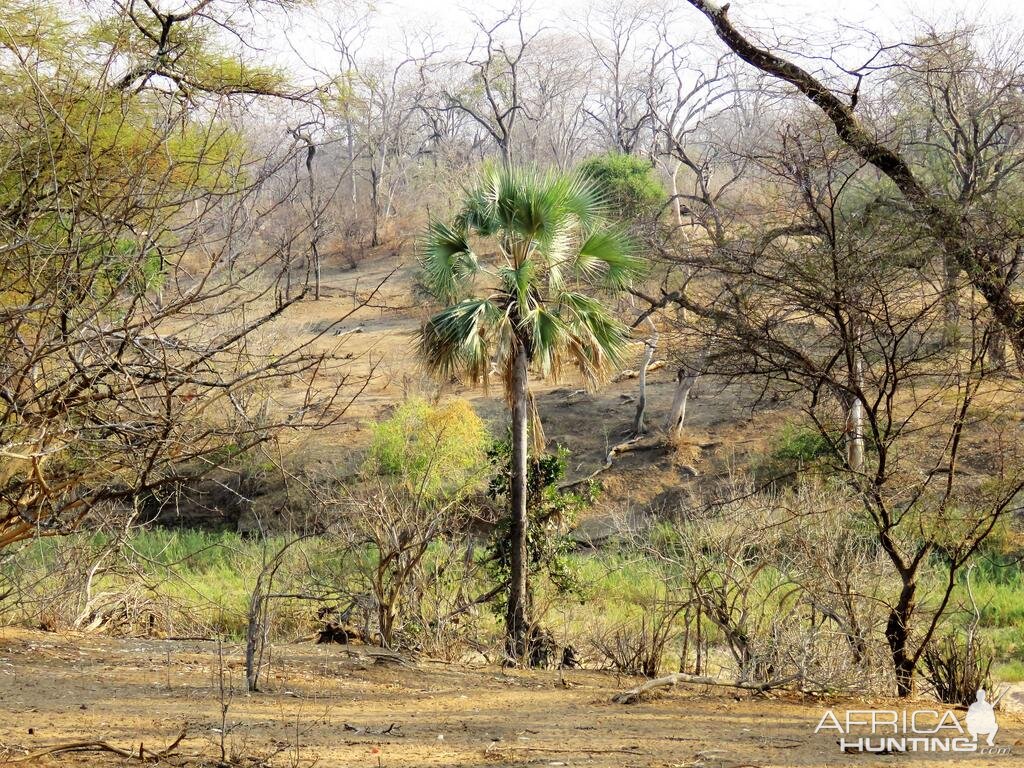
(943, 217)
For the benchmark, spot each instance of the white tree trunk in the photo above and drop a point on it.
(685, 379)
(650, 344)
(855, 426)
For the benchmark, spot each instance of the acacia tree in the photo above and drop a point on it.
(945, 217)
(133, 360)
(825, 296)
(525, 301)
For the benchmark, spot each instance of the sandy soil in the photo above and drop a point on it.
(333, 703)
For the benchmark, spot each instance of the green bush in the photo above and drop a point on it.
(801, 445)
(438, 448)
(628, 184)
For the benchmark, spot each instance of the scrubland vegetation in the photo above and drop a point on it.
(640, 345)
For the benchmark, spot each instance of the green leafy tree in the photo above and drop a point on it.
(627, 183)
(433, 450)
(516, 269)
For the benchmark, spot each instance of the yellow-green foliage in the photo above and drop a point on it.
(439, 448)
(66, 107)
(86, 165)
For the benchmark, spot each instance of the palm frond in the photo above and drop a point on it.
(547, 339)
(459, 340)
(447, 261)
(596, 340)
(528, 203)
(582, 198)
(479, 211)
(608, 255)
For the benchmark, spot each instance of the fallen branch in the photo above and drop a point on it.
(633, 694)
(494, 749)
(631, 373)
(635, 444)
(141, 753)
(362, 730)
(74, 746)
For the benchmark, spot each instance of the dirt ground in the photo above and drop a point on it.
(330, 706)
(724, 425)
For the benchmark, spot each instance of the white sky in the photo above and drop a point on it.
(879, 15)
(821, 21)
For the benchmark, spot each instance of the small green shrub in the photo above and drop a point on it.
(627, 183)
(801, 445)
(434, 447)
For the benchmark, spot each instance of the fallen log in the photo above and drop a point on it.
(633, 694)
(630, 373)
(141, 753)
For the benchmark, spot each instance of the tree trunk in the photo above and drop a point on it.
(685, 379)
(314, 212)
(254, 636)
(375, 206)
(350, 140)
(951, 301)
(855, 424)
(505, 146)
(897, 633)
(995, 346)
(516, 622)
(317, 269)
(641, 403)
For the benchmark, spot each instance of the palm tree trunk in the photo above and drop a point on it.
(516, 622)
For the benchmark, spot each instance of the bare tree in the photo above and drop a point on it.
(496, 65)
(622, 38)
(133, 360)
(556, 83)
(828, 303)
(302, 135)
(941, 216)
(348, 29)
(394, 93)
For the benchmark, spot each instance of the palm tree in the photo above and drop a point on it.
(516, 270)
